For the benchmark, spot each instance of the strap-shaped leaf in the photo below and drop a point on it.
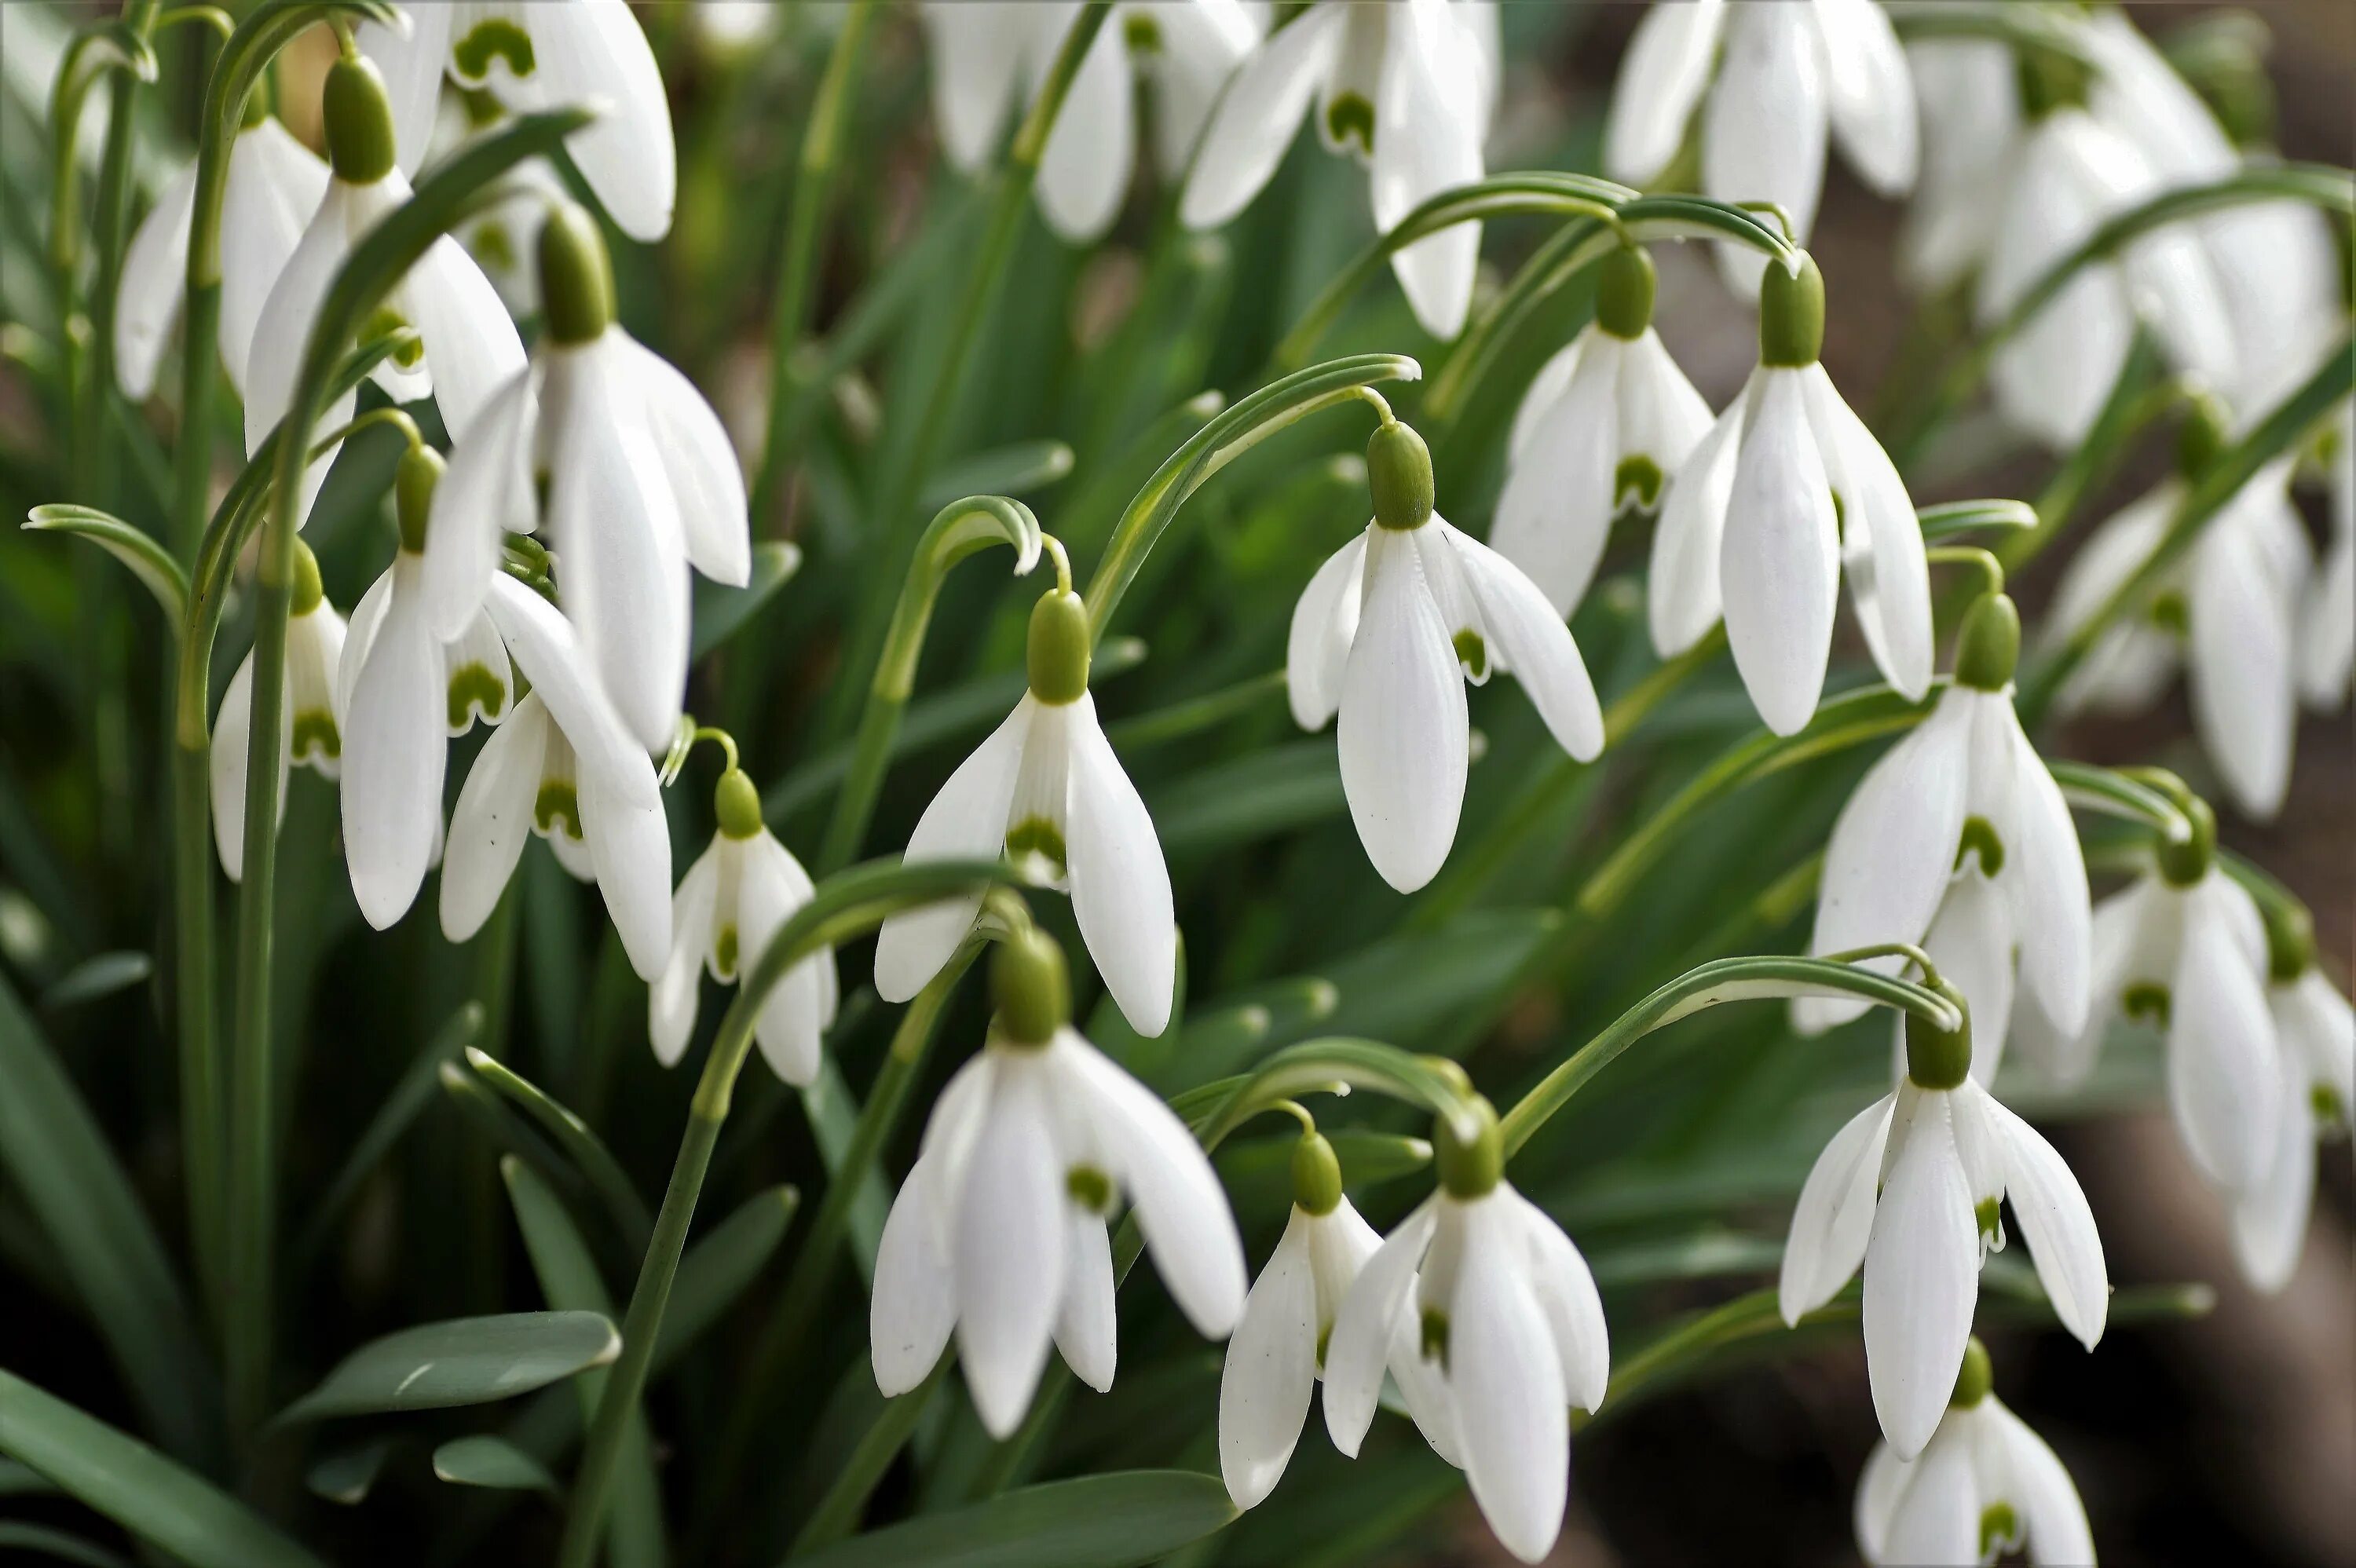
(1098, 1521)
(1016, 470)
(461, 1361)
(483, 1460)
(148, 560)
(575, 1137)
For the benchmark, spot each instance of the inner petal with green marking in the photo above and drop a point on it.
(494, 38)
(474, 688)
(315, 736)
(1637, 481)
(1472, 654)
(1035, 836)
(557, 802)
(1979, 837)
(1350, 118)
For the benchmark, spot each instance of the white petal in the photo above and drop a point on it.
(486, 491)
(476, 656)
(1202, 45)
(1270, 1370)
(2042, 1493)
(1879, 1488)
(2318, 1035)
(1527, 640)
(1834, 1217)
(914, 1303)
(1937, 1518)
(1763, 131)
(1325, 621)
(1882, 541)
(1555, 511)
(1870, 92)
(2270, 1219)
(593, 52)
(1922, 1280)
(292, 305)
(2244, 690)
(1256, 118)
(1661, 415)
(147, 296)
(701, 463)
(411, 67)
(793, 1020)
(1546, 389)
(1972, 943)
(232, 742)
(1682, 593)
(471, 343)
(671, 1000)
(1359, 1345)
(966, 820)
(1085, 1328)
(630, 844)
(1564, 1289)
(492, 821)
(976, 53)
(1085, 171)
(275, 184)
(1429, 103)
(2048, 879)
(1502, 1369)
(2222, 1079)
(1404, 731)
(550, 655)
(1779, 564)
(1661, 79)
(2058, 1225)
(1120, 887)
(395, 749)
(2327, 618)
(1008, 1242)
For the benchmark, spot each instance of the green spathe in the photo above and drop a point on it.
(1057, 653)
(1398, 473)
(576, 276)
(355, 115)
(1031, 988)
(1791, 314)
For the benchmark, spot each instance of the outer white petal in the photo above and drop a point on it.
(232, 736)
(1404, 731)
(1502, 1369)
(395, 750)
(288, 311)
(1430, 105)
(1972, 943)
(699, 462)
(2270, 1219)
(1546, 388)
(1527, 640)
(1834, 1217)
(593, 51)
(629, 845)
(147, 297)
(914, 1303)
(1256, 118)
(1871, 93)
(1270, 1370)
(413, 67)
(1779, 564)
(2327, 618)
(1682, 591)
(550, 655)
(2040, 1492)
(2058, 1226)
(1922, 1280)
(1879, 1488)
(793, 1020)
(1324, 623)
(1882, 543)
(2244, 689)
(1661, 79)
(2318, 1034)
(1121, 886)
(1565, 1290)
(1360, 1344)
(977, 49)
(469, 341)
(2047, 879)
(967, 819)
(1892, 847)
(1008, 1250)
(671, 1000)
(1763, 132)
(1937, 1517)
(1085, 169)
(1202, 45)
(486, 491)
(275, 184)
(1085, 1330)
(1556, 512)
(1661, 415)
(2222, 1077)
(477, 655)
(492, 821)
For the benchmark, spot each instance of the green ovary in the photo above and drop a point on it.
(557, 801)
(1980, 837)
(1638, 479)
(495, 39)
(2148, 1002)
(473, 686)
(315, 735)
(1141, 33)
(1472, 654)
(1350, 118)
(1036, 836)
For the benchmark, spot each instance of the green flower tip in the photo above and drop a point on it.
(2182, 865)
(576, 276)
(1316, 1175)
(1057, 653)
(413, 495)
(1399, 471)
(307, 591)
(1030, 986)
(1472, 1160)
(1989, 648)
(1975, 1379)
(2202, 438)
(1623, 293)
(1937, 1058)
(737, 805)
(357, 116)
(1792, 313)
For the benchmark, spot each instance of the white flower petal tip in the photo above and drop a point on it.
(1984, 1486)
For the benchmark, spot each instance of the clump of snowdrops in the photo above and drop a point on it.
(568, 423)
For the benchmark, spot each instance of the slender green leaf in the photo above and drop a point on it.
(1953, 518)
(714, 1271)
(573, 1135)
(1096, 1522)
(721, 611)
(148, 560)
(1022, 469)
(461, 1361)
(347, 1476)
(18, 1479)
(42, 1542)
(483, 1460)
(97, 977)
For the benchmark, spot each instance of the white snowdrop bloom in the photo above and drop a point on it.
(1958, 838)
(1787, 493)
(1486, 1314)
(562, 766)
(999, 1233)
(466, 344)
(310, 732)
(2327, 622)
(404, 693)
(534, 55)
(2226, 613)
(1787, 79)
(728, 906)
(1279, 1350)
(272, 186)
(988, 55)
(1910, 1189)
(1406, 88)
(642, 484)
(504, 236)
(1386, 634)
(1046, 791)
(1968, 91)
(2316, 1034)
(1986, 1487)
(1605, 424)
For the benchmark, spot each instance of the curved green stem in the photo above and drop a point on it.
(2116, 794)
(1327, 1066)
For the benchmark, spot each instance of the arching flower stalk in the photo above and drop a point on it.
(999, 1232)
(1386, 634)
(1786, 494)
(310, 720)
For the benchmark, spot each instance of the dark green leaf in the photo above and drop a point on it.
(462, 1361)
(1017, 470)
(1096, 1522)
(715, 1269)
(483, 1460)
(43, 1541)
(573, 1135)
(411, 1094)
(95, 977)
(346, 1475)
(149, 562)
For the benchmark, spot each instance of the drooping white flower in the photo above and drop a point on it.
(534, 55)
(1605, 424)
(1279, 1350)
(988, 55)
(273, 187)
(2316, 1034)
(998, 1234)
(1486, 1314)
(728, 906)
(1406, 88)
(1984, 1487)
(309, 723)
(562, 766)
(503, 237)
(1787, 75)
(1959, 838)
(642, 484)
(1386, 634)
(2226, 613)
(466, 344)
(1046, 790)
(2326, 621)
(1787, 493)
(1910, 1188)
(1969, 94)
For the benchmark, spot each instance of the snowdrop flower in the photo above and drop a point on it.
(273, 185)
(1959, 837)
(403, 692)
(998, 1234)
(1386, 634)
(1910, 1188)
(642, 484)
(2326, 632)
(1406, 88)
(987, 55)
(1603, 427)
(466, 344)
(532, 55)
(309, 732)
(1046, 791)
(2226, 612)
(2317, 1033)
(1986, 1488)
(728, 906)
(1969, 94)
(1788, 74)
(564, 767)
(1279, 1350)
(1788, 493)
(1485, 1313)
